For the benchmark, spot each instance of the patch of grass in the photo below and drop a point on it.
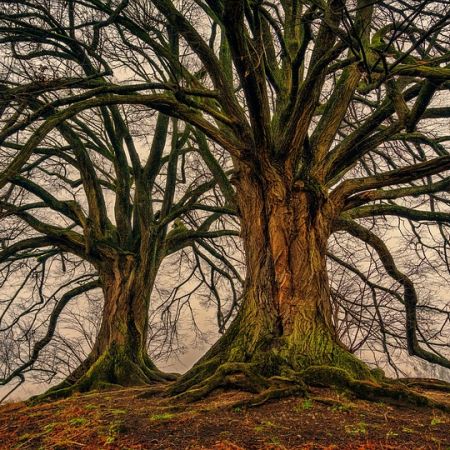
(436, 421)
(341, 407)
(391, 434)
(115, 428)
(264, 425)
(237, 409)
(49, 427)
(78, 421)
(438, 442)
(25, 437)
(118, 411)
(91, 406)
(275, 441)
(162, 416)
(307, 404)
(304, 405)
(356, 429)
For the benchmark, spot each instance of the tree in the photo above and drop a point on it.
(324, 109)
(111, 187)
(124, 251)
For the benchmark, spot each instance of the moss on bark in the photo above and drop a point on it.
(259, 359)
(117, 366)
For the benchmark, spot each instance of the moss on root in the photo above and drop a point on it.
(229, 375)
(372, 390)
(270, 376)
(262, 359)
(113, 368)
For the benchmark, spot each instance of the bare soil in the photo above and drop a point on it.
(119, 419)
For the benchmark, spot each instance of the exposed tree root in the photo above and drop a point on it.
(229, 375)
(386, 390)
(280, 387)
(426, 383)
(332, 402)
(154, 391)
(112, 369)
(244, 376)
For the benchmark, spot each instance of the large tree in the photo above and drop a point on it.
(324, 108)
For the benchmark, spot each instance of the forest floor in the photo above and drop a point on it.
(118, 419)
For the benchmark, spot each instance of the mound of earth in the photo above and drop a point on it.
(122, 419)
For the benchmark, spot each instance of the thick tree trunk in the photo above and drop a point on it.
(285, 322)
(119, 355)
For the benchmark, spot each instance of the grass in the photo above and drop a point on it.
(117, 412)
(114, 430)
(342, 407)
(91, 406)
(163, 416)
(78, 421)
(436, 421)
(264, 425)
(304, 405)
(356, 429)
(390, 434)
(128, 422)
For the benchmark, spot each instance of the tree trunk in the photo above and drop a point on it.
(119, 355)
(285, 322)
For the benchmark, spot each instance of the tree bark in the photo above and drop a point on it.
(119, 355)
(285, 322)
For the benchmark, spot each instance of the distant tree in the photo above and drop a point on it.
(332, 115)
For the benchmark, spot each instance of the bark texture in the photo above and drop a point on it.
(285, 323)
(119, 355)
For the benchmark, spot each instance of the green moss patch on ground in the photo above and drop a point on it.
(118, 419)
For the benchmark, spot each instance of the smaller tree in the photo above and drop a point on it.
(82, 198)
(96, 181)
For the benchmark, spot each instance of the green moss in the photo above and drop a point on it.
(269, 363)
(78, 421)
(326, 376)
(378, 374)
(113, 368)
(162, 416)
(196, 375)
(344, 359)
(359, 428)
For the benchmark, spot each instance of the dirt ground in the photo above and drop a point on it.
(118, 419)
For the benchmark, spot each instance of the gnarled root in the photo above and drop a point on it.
(112, 369)
(279, 387)
(228, 375)
(430, 384)
(244, 376)
(386, 390)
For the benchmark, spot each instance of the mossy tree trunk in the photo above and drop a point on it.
(119, 355)
(285, 323)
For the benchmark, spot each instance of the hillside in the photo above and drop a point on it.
(119, 419)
